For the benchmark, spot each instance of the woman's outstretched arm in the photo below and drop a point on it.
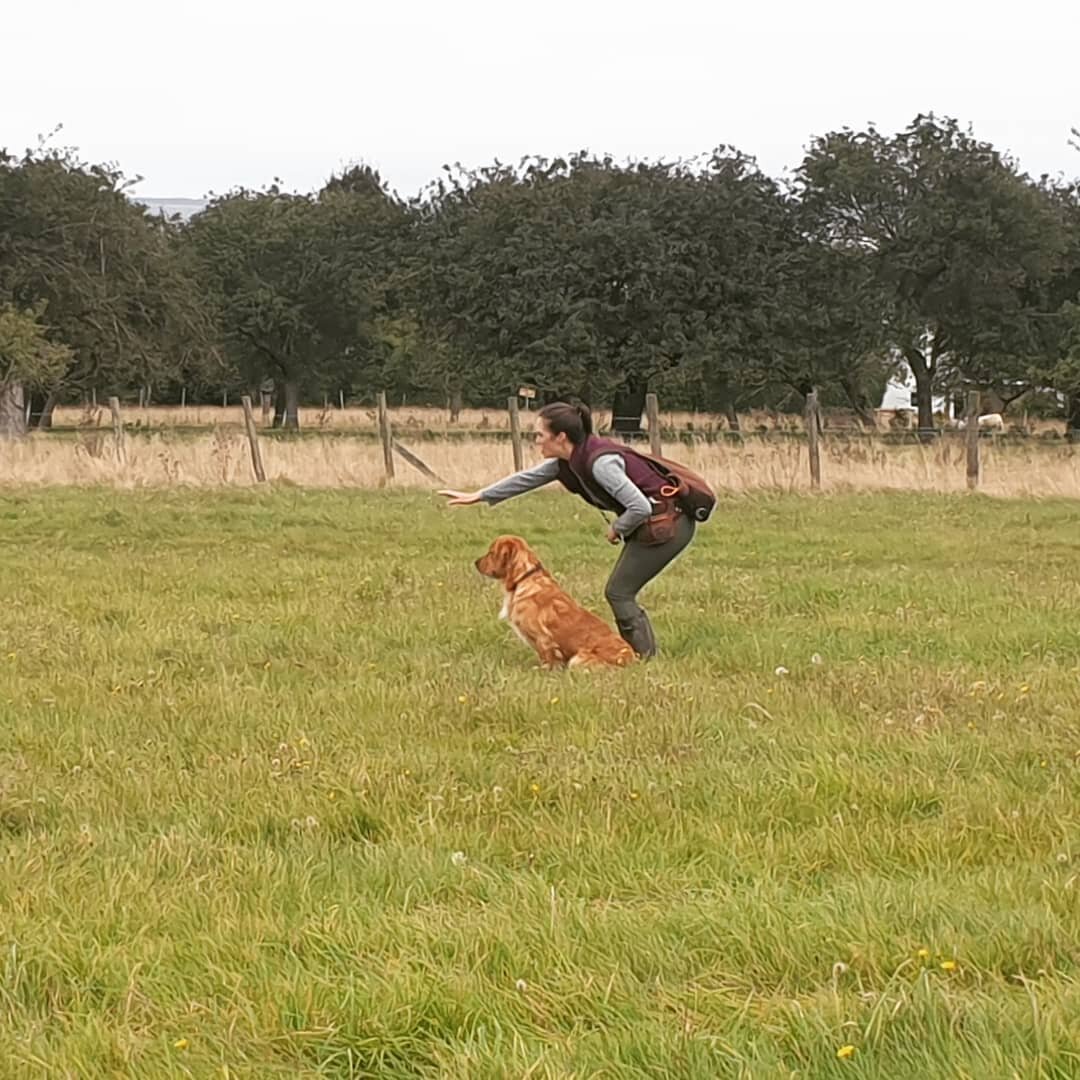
(516, 484)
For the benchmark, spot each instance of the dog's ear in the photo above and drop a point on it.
(497, 560)
(508, 554)
(520, 558)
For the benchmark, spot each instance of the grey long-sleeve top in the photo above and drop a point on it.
(609, 472)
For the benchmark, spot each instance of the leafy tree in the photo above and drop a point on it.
(829, 331)
(955, 236)
(298, 281)
(589, 277)
(116, 292)
(27, 359)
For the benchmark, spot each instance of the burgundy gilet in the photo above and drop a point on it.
(576, 474)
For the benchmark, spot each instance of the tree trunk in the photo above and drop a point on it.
(292, 407)
(726, 401)
(41, 410)
(36, 402)
(628, 406)
(279, 404)
(12, 411)
(923, 369)
(455, 405)
(47, 412)
(1072, 417)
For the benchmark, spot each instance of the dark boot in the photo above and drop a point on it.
(638, 633)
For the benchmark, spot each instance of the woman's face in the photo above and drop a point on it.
(552, 446)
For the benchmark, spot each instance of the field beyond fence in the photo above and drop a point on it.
(206, 447)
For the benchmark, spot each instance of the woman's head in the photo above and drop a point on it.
(560, 427)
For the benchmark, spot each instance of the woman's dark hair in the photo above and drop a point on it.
(573, 421)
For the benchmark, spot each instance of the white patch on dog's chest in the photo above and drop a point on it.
(504, 614)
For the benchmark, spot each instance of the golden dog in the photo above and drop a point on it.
(545, 617)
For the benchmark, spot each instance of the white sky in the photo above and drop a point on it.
(200, 96)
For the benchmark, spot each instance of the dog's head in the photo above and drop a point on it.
(508, 559)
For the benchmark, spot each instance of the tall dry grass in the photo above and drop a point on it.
(221, 458)
(352, 418)
(426, 419)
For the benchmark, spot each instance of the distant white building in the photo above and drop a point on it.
(899, 395)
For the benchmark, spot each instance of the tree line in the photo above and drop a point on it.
(704, 280)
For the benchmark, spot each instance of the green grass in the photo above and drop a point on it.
(274, 781)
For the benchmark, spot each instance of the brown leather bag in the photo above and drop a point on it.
(691, 491)
(661, 526)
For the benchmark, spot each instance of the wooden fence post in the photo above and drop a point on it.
(386, 436)
(253, 440)
(652, 413)
(515, 433)
(811, 420)
(971, 438)
(118, 431)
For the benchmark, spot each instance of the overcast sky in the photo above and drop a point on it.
(200, 96)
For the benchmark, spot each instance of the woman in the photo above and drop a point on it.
(604, 475)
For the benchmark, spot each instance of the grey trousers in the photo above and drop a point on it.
(637, 565)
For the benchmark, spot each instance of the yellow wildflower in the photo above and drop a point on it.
(948, 965)
(923, 954)
(845, 1051)
(180, 1044)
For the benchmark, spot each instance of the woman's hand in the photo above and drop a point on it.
(612, 536)
(461, 498)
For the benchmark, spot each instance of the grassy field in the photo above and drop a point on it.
(280, 797)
